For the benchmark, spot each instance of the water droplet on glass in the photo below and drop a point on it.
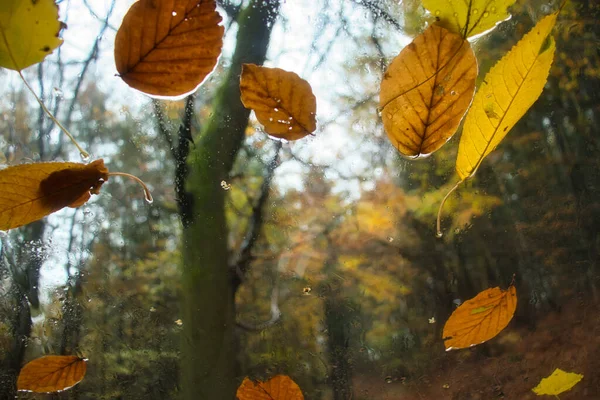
(439, 234)
(388, 379)
(148, 197)
(455, 14)
(390, 239)
(225, 185)
(84, 157)
(58, 93)
(453, 93)
(174, 13)
(276, 109)
(493, 9)
(486, 14)
(475, 11)
(437, 12)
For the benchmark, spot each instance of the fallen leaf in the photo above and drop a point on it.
(168, 47)
(280, 387)
(471, 17)
(508, 90)
(282, 101)
(479, 319)
(51, 374)
(29, 192)
(560, 381)
(426, 91)
(29, 31)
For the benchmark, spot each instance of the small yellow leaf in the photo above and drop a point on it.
(508, 90)
(481, 318)
(168, 47)
(471, 17)
(280, 387)
(426, 91)
(51, 374)
(29, 192)
(282, 101)
(28, 32)
(560, 381)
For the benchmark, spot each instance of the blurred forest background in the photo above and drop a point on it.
(318, 258)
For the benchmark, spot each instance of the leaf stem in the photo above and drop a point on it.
(84, 154)
(439, 232)
(147, 193)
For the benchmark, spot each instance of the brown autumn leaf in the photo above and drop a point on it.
(426, 91)
(280, 387)
(168, 47)
(29, 192)
(481, 318)
(51, 374)
(282, 101)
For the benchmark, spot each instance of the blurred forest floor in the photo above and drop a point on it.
(509, 366)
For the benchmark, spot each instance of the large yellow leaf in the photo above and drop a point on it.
(560, 381)
(481, 318)
(29, 192)
(426, 91)
(29, 31)
(51, 374)
(507, 92)
(168, 47)
(280, 387)
(282, 101)
(469, 17)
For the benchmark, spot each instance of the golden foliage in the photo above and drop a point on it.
(283, 102)
(51, 374)
(426, 91)
(280, 387)
(168, 47)
(560, 381)
(481, 318)
(471, 17)
(29, 192)
(28, 32)
(508, 90)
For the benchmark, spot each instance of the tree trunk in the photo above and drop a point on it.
(208, 310)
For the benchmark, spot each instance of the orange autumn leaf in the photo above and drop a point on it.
(283, 102)
(29, 192)
(426, 91)
(280, 387)
(481, 318)
(51, 374)
(168, 47)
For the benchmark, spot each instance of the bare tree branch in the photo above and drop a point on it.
(375, 7)
(184, 199)
(242, 264)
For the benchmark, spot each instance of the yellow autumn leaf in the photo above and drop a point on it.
(481, 318)
(471, 17)
(280, 387)
(168, 47)
(560, 381)
(282, 101)
(29, 192)
(50, 374)
(426, 91)
(29, 31)
(508, 90)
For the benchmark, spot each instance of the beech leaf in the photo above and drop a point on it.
(471, 17)
(479, 319)
(282, 101)
(560, 381)
(508, 90)
(280, 387)
(29, 192)
(168, 47)
(29, 31)
(51, 374)
(426, 91)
